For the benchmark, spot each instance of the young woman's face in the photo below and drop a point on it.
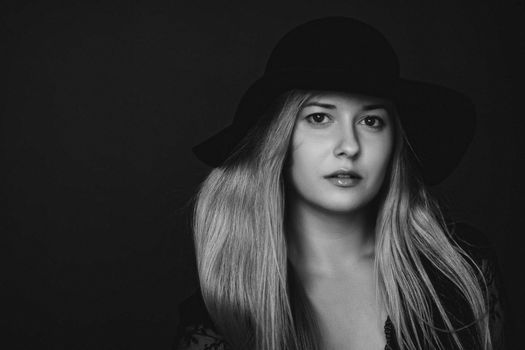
(340, 151)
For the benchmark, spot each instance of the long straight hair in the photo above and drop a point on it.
(250, 289)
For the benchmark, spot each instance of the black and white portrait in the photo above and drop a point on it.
(263, 175)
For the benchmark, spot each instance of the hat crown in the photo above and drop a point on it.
(335, 44)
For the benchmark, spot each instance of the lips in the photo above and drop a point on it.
(344, 174)
(344, 178)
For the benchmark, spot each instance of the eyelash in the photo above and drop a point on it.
(376, 118)
(310, 120)
(380, 121)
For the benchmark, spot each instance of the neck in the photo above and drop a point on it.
(327, 243)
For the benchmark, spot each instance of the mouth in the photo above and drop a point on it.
(344, 178)
(344, 174)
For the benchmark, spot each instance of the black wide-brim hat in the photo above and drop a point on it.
(344, 54)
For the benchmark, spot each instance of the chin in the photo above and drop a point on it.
(346, 203)
(343, 206)
(344, 209)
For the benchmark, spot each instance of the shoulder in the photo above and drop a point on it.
(196, 329)
(480, 249)
(477, 245)
(472, 240)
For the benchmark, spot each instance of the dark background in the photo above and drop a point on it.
(104, 100)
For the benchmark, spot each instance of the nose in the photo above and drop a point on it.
(347, 144)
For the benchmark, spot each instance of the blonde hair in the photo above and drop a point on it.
(250, 289)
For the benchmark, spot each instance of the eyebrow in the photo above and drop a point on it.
(319, 104)
(331, 106)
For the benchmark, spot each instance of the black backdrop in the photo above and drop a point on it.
(104, 99)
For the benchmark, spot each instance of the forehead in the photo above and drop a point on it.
(337, 97)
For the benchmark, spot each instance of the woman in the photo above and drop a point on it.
(315, 229)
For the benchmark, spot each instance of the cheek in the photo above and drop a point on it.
(384, 154)
(304, 163)
(301, 161)
(381, 153)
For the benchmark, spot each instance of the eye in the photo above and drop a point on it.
(373, 122)
(318, 119)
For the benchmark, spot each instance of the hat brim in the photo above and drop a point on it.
(439, 122)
